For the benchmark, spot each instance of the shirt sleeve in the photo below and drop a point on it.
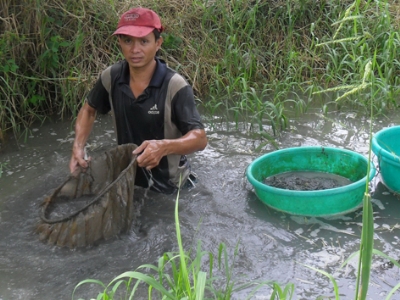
(184, 111)
(98, 98)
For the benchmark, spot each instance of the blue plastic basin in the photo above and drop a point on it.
(334, 201)
(386, 146)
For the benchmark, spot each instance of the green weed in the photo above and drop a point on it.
(180, 275)
(237, 55)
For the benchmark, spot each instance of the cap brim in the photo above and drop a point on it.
(135, 31)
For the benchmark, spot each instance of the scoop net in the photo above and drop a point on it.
(97, 204)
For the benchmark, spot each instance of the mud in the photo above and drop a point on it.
(306, 181)
(65, 206)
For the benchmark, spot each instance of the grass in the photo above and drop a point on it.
(363, 84)
(368, 81)
(182, 275)
(189, 281)
(2, 167)
(253, 62)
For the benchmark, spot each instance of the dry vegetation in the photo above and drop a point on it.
(51, 51)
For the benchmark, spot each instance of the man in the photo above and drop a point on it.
(152, 106)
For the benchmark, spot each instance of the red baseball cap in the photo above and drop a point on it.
(138, 22)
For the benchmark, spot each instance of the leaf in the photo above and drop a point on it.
(88, 281)
(335, 286)
(200, 285)
(367, 245)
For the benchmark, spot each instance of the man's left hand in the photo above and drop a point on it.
(150, 153)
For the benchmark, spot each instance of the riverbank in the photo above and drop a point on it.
(254, 60)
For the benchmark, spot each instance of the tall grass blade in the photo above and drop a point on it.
(200, 285)
(389, 296)
(86, 281)
(377, 252)
(366, 248)
(331, 278)
(182, 256)
(396, 263)
(367, 233)
(144, 278)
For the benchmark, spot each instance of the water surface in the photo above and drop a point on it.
(221, 208)
(306, 180)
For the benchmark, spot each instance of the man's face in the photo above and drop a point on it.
(139, 52)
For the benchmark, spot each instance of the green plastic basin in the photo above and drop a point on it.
(386, 146)
(340, 200)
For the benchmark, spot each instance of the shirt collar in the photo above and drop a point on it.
(159, 73)
(158, 76)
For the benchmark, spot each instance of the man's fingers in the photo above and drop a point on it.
(76, 172)
(140, 149)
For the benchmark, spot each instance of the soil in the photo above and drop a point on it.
(306, 181)
(64, 206)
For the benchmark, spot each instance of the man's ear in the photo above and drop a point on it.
(159, 42)
(119, 41)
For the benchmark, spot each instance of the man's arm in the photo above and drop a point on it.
(153, 150)
(83, 127)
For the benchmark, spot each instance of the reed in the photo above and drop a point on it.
(365, 82)
(357, 39)
(52, 52)
(180, 275)
(251, 62)
(365, 254)
(2, 167)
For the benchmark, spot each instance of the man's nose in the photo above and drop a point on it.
(135, 46)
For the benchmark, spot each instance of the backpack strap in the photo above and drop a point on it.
(176, 83)
(107, 81)
(176, 171)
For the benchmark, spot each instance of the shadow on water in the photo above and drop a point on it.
(221, 208)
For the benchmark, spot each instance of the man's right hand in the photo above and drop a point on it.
(78, 162)
(83, 127)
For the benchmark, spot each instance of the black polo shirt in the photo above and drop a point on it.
(154, 115)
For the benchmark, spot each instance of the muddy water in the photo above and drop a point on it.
(221, 208)
(306, 181)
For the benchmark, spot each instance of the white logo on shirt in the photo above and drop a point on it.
(153, 110)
